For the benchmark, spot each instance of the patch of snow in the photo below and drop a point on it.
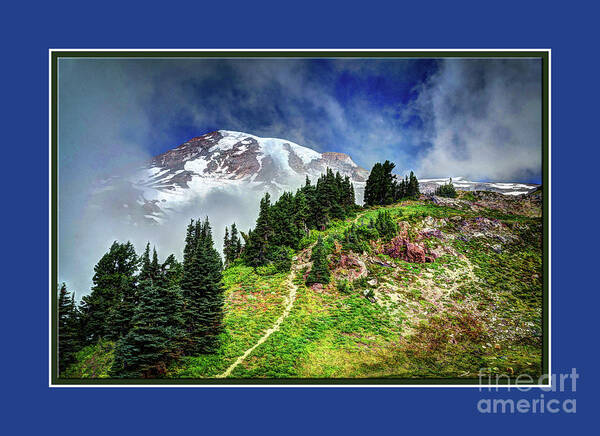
(273, 146)
(241, 150)
(229, 139)
(307, 155)
(196, 166)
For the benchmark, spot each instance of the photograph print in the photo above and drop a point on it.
(299, 217)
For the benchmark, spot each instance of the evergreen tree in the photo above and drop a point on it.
(282, 225)
(258, 240)
(301, 214)
(172, 270)
(385, 225)
(227, 248)
(285, 232)
(413, 187)
(348, 193)
(121, 313)
(114, 279)
(319, 209)
(68, 329)
(154, 338)
(232, 245)
(388, 182)
(372, 185)
(381, 185)
(328, 194)
(400, 190)
(203, 294)
(188, 254)
(446, 190)
(189, 246)
(319, 272)
(146, 265)
(155, 270)
(236, 243)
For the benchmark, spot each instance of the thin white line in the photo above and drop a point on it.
(297, 49)
(50, 215)
(549, 214)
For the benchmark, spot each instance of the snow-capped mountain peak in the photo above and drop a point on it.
(225, 161)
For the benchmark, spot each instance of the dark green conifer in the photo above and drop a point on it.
(146, 265)
(68, 329)
(154, 339)
(203, 294)
(227, 254)
(236, 243)
(114, 279)
(172, 270)
(446, 190)
(319, 272)
(155, 269)
(257, 247)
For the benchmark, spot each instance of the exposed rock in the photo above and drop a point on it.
(350, 267)
(402, 248)
(429, 233)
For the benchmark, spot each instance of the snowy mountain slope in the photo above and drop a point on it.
(235, 167)
(223, 161)
(460, 183)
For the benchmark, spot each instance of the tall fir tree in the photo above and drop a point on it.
(413, 187)
(68, 329)
(232, 245)
(113, 280)
(154, 339)
(203, 293)
(122, 311)
(348, 193)
(258, 240)
(227, 247)
(145, 264)
(381, 185)
(301, 214)
(284, 232)
(319, 272)
(172, 270)
(155, 270)
(236, 243)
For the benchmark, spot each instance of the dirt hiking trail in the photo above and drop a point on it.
(289, 299)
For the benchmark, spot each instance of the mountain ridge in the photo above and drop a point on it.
(218, 161)
(238, 163)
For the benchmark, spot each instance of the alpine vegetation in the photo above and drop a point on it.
(320, 286)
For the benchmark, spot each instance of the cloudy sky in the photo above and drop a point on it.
(477, 118)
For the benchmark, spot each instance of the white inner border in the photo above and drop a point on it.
(290, 385)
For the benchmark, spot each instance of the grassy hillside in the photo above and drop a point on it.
(476, 305)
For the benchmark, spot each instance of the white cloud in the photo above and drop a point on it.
(483, 119)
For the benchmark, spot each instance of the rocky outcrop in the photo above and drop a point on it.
(401, 248)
